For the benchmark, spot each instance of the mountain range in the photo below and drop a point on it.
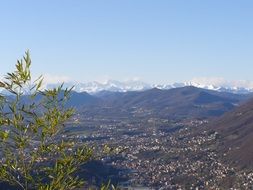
(175, 103)
(136, 85)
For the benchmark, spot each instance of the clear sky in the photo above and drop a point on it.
(157, 41)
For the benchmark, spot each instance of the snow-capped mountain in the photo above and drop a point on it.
(134, 85)
(222, 88)
(110, 85)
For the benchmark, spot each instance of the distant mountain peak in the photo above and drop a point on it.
(137, 85)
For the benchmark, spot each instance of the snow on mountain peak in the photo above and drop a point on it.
(137, 85)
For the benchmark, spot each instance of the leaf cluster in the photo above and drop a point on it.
(34, 153)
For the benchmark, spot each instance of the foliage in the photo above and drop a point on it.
(108, 186)
(34, 151)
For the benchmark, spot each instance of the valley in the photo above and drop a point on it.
(161, 139)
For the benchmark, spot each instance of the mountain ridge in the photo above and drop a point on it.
(136, 85)
(235, 129)
(173, 103)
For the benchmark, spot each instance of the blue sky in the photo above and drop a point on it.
(161, 41)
